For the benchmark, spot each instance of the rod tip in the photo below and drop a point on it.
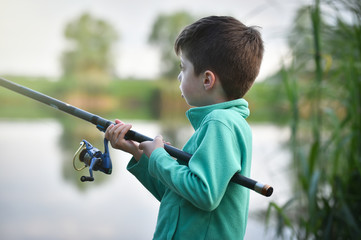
(267, 190)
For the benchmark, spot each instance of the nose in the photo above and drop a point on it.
(180, 76)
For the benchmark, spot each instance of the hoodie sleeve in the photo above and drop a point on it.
(140, 171)
(204, 181)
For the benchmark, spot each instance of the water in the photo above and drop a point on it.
(39, 199)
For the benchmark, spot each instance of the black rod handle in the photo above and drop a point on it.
(264, 189)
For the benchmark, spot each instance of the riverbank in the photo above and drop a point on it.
(130, 99)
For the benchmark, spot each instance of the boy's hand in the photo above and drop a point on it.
(115, 134)
(149, 146)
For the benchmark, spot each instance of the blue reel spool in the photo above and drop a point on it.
(94, 159)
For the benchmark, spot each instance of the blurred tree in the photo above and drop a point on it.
(164, 32)
(88, 58)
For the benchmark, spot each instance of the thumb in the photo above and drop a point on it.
(118, 121)
(158, 138)
(159, 142)
(142, 145)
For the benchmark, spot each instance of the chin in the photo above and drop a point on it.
(190, 104)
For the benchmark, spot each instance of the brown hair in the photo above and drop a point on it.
(225, 46)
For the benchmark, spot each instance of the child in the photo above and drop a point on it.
(220, 59)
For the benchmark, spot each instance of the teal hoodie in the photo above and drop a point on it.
(198, 201)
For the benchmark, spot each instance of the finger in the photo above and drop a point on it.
(107, 132)
(117, 125)
(124, 131)
(112, 130)
(117, 131)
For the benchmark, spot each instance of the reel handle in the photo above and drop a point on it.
(86, 179)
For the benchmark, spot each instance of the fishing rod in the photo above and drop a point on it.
(98, 161)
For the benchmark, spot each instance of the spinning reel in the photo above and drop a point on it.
(94, 159)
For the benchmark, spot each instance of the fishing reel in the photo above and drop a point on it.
(94, 159)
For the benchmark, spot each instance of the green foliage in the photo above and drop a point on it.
(88, 57)
(267, 102)
(323, 85)
(164, 32)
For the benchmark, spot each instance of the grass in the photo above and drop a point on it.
(326, 141)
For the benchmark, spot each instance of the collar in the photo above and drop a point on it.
(197, 114)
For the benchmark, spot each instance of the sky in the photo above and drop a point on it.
(32, 31)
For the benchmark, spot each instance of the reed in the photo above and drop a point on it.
(326, 137)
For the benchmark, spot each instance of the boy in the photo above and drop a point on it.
(220, 59)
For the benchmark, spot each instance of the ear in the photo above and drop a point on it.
(209, 79)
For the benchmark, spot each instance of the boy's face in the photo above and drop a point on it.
(191, 86)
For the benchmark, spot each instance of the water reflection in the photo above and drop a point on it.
(42, 197)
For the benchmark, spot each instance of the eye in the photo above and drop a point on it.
(180, 66)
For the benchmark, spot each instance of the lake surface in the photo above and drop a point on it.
(39, 198)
